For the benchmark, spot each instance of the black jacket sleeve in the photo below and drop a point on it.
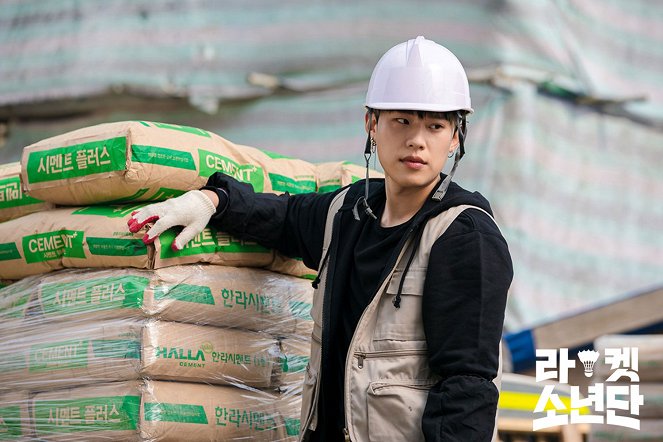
(463, 304)
(292, 224)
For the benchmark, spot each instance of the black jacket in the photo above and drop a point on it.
(464, 298)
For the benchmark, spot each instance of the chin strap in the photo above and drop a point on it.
(363, 201)
(461, 127)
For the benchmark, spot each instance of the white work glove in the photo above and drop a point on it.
(192, 210)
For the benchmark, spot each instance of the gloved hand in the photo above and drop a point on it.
(192, 210)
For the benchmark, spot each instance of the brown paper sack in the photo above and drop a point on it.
(164, 411)
(252, 299)
(202, 353)
(61, 355)
(131, 161)
(94, 236)
(285, 174)
(15, 301)
(14, 419)
(294, 359)
(13, 201)
(96, 413)
(75, 295)
(332, 176)
(98, 236)
(174, 411)
(291, 407)
(291, 266)
(210, 246)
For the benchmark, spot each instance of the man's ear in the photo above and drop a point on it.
(369, 123)
(455, 141)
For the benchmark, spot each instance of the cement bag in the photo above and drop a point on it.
(294, 359)
(13, 202)
(15, 424)
(285, 174)
(291, 407)
(175, 411)
(291, 266)
(58, 355)
(74, 295)
(202, 353)
(98, 236)
(210, 246)
(252, 299)
(650, 355)
(159, 412)
(131, 161)
(94, 236)
(96, 413)
(333, 176)
(15, 301)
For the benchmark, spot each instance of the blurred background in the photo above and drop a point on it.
(566, 140)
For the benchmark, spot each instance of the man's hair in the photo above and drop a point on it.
(450, 116)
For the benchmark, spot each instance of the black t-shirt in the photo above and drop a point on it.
(371, 253)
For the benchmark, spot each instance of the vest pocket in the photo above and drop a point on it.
(395, 408)
(403, 323)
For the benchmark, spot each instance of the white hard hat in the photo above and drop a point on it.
(419, 75)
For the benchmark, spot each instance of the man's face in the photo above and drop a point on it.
(412, 150)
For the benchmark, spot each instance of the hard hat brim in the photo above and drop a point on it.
(418, 107)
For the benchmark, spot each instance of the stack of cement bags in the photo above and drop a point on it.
(632, 379)
(107, 338)
(210, 352)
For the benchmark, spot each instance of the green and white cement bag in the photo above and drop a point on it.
(61, 355)
(157, 411)
(56, 355)
(13, 202)
(334, 175)
(210, 246)
(15, 302)
(146, 161)
(295, 354)
(196, 413)
(291, 266)
(286, 174)
(252, 299)
(96, 413)
(202, 353)
(247, 298)
(97, 236)
(15, 424)
(70, 237)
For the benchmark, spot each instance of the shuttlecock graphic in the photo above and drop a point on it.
(588, 358)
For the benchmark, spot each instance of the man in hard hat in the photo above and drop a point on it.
(413, 271)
